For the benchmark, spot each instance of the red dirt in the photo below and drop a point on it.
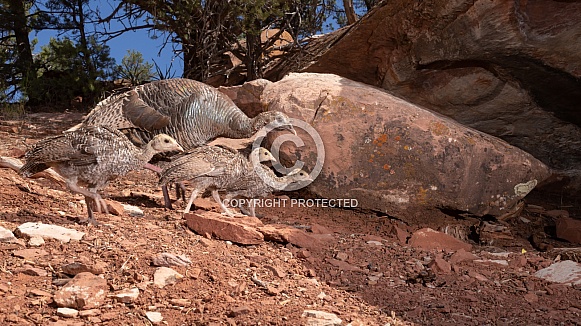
(362, 283)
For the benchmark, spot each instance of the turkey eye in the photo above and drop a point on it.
(166, 141)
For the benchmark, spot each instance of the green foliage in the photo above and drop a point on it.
(63, 75)
(135, 69)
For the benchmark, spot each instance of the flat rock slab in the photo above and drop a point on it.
(321, 318)
(84, 291)
(430, 239)
(391, 155)
(29, 254)
(48, 231)
(565, 272)
(237, 230)
(287, 234)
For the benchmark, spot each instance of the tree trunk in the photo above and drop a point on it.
(253, 54)
(349, 11)
(24, 61)
(80, 24)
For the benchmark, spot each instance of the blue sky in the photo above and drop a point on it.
(138, 41)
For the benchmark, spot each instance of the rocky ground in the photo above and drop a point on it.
(317, 266)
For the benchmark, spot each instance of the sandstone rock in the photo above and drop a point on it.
(115, 207)
(401, 235)
(166, 259)
(127, 295)
(450, 61)
(48, 231)
(32, 271)
(238, 311)
(569, 229)
(29, 254)
(165, 276)
(319, 229)
(154, 317)
(67, 312)
(83, 264)
(223, 228)
(286, 234)
(89, 313)
(389, 155)
(35, 241)
(84, 291)
(440, 266)
(321, 318)
(6, 235)
(247, 95)
(462, 255)
(430, 239)
(566, 272)
(132, 210)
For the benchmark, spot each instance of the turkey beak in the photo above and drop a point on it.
(179, 148)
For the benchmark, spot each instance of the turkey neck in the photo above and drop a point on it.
(270, 179)
(147, 153)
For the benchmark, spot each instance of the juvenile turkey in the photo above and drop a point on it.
(92, 156)
(211, 167)
(219, 169)
(190, 111)
(261, 183)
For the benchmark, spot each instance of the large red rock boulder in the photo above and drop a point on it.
(508, 68)
(391, 155)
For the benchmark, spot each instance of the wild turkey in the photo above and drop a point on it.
(92, 156)
(190, 111)
(219, 169)
(211, 166)
(262, 183)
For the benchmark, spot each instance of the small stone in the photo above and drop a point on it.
(67, 312)
(565, 272)
(85, 265)
(478, 276)
(234, 230)
(462, 255)
(180, 302)
(6, 235)
(89, 313)
(194, 273)
(165, 276)
(115, 207)
(238, 311)
(127, 295)
(440, 266)
(132, 210)
(531, 298)
(32, 271)
(303, 254)
(375, 243)
(286, 234)
(154, 317)
(31, 229)
(29, 254)
(276, 271)
(316, 318)
(401, 235)
(166, 259)
(430, 239)
(36, 241)
(341, 256)
(84, 291)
